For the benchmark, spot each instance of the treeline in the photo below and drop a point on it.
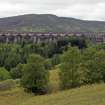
(13, 54)
(77, 67)
(31, 63)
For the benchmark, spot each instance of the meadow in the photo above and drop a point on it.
(85, 95)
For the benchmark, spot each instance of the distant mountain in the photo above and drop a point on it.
(48, 22)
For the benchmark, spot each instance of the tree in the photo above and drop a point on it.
(99, 62)
(17, 71)
(94, 61)
(89, 54)
(12, 60)
(48, 64)
(94, 73)
(35, 77)
(70, 73)
(55, 59)
(4, 74)
(80, 42)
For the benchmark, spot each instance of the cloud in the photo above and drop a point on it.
(82, 9)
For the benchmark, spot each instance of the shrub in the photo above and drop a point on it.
(48, 64)
(96, 67)
(7, 84)
(4, 74)
(35, 77)
(55, 59)
(17, 71)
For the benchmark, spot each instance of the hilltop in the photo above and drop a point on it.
(49, 22)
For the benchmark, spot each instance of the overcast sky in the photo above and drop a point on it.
(82, 9)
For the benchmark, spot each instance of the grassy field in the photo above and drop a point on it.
(86, 95)
(54, 81)
(14, 97)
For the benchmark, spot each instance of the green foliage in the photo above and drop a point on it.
(78, 66)
(80, 42)
(16, 72)
(94, 73)
(71, 70)
(12, 60)
(48, 64)
(94, 61)
(13, 54)
(7, 84)
(4, 74)
(82, 67)
(56, 59)
(35, 59)
(35, 77)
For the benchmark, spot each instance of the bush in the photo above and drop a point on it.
(4, 74)
(48, 64)
(35, 77)
(16, 72)
(96, 67)
(7, 84)
(55, 59)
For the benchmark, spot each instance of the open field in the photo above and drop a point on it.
(86, 95)
(14, 97)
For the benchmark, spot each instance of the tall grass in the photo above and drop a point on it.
(54, 81)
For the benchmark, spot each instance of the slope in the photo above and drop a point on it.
(49, 22)
(88, 95)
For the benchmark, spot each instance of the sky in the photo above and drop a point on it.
(81, 9)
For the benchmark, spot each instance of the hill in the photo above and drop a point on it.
(94, 95)
(87, 95)
(48, 22)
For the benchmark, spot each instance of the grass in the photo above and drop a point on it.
(86, 95)
(54, 81)
(14, 97)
